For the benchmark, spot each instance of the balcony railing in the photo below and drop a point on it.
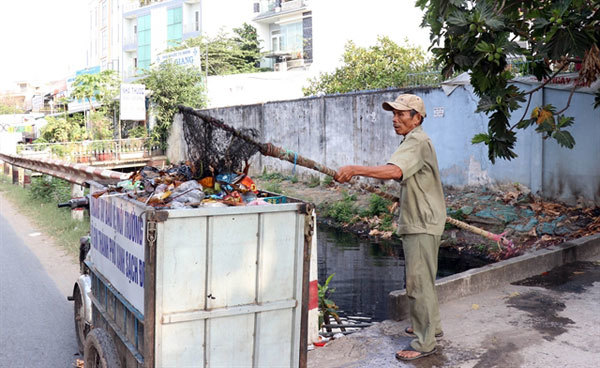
(280, 5)
(130, 42)
(117, 150)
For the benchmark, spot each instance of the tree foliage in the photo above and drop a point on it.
(5, 109)
(172, 85)
(386, 64)
(227, 54)
(479, 35)
(103, 86)
(60, 129)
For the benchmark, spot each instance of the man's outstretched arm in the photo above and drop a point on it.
(384, 172)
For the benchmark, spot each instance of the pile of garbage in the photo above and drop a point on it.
(177, 187)
(528, 220)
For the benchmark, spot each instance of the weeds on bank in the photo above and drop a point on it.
(313, 182)
(272, 181)
(273, 187)
(344, 211)
(38, 202)
(347, 211)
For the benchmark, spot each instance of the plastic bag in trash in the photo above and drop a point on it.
(181, 172)
(227, 178)
(258, 202)
(193, 196)
(187, 186)
(188, 192)
(128, 185)
(176, 205)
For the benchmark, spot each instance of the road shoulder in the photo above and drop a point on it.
(61, 267)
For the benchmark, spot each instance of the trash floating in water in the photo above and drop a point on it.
(178, 187)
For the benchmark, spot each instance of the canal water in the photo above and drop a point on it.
(366, 272)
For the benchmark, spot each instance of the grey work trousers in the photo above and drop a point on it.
(421, 260)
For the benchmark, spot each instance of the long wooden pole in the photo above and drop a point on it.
(271, 150)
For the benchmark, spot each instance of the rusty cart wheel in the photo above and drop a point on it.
(81, 327)
(99, 350)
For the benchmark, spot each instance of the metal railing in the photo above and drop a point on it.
(73, 173)
(424, 79)
(89, 151)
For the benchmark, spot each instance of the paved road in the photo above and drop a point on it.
(36, 321)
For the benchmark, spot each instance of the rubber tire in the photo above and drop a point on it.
(81, 327)
(100, 351)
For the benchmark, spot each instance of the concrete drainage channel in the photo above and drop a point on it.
(504, 272)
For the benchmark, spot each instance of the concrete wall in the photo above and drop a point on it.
(353, 129)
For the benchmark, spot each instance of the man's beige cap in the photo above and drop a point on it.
(406, 102)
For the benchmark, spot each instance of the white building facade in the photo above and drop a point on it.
(150, 30)
(105, 30)
(303, 38)
(285, 27)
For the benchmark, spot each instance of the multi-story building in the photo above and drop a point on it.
(297, 34)
(105, 32)
(285, 26)
(149, 30)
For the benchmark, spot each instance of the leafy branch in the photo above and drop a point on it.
(480, 36)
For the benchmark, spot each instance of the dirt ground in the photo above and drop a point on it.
(529, 221)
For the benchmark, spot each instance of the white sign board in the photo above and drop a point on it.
(187, 57)
(37, 103)
(117, 236)
(562, 81)
(133, 102)
(438, 112)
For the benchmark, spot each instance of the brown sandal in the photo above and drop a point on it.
(422, 354)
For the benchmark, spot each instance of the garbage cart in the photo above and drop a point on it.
(193, 287)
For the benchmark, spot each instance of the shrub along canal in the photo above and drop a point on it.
(366, 272)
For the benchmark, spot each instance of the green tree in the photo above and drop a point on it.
(60, 129)
(103, 86)
(386, 64)
(249, 44)
(226, 54)
(101, 126)
(172, 85)
(5, 109)
(479, 35)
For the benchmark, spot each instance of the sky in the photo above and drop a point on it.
(45, 40)
(41, 39)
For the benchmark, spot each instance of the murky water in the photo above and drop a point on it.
(366, 272)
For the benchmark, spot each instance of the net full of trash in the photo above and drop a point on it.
(212, 150)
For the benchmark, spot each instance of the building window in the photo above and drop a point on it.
(174, 26)
(104, 43)
(143, 42)
(197, 23)
(276, 41)
(291, 39)
(104, 13)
